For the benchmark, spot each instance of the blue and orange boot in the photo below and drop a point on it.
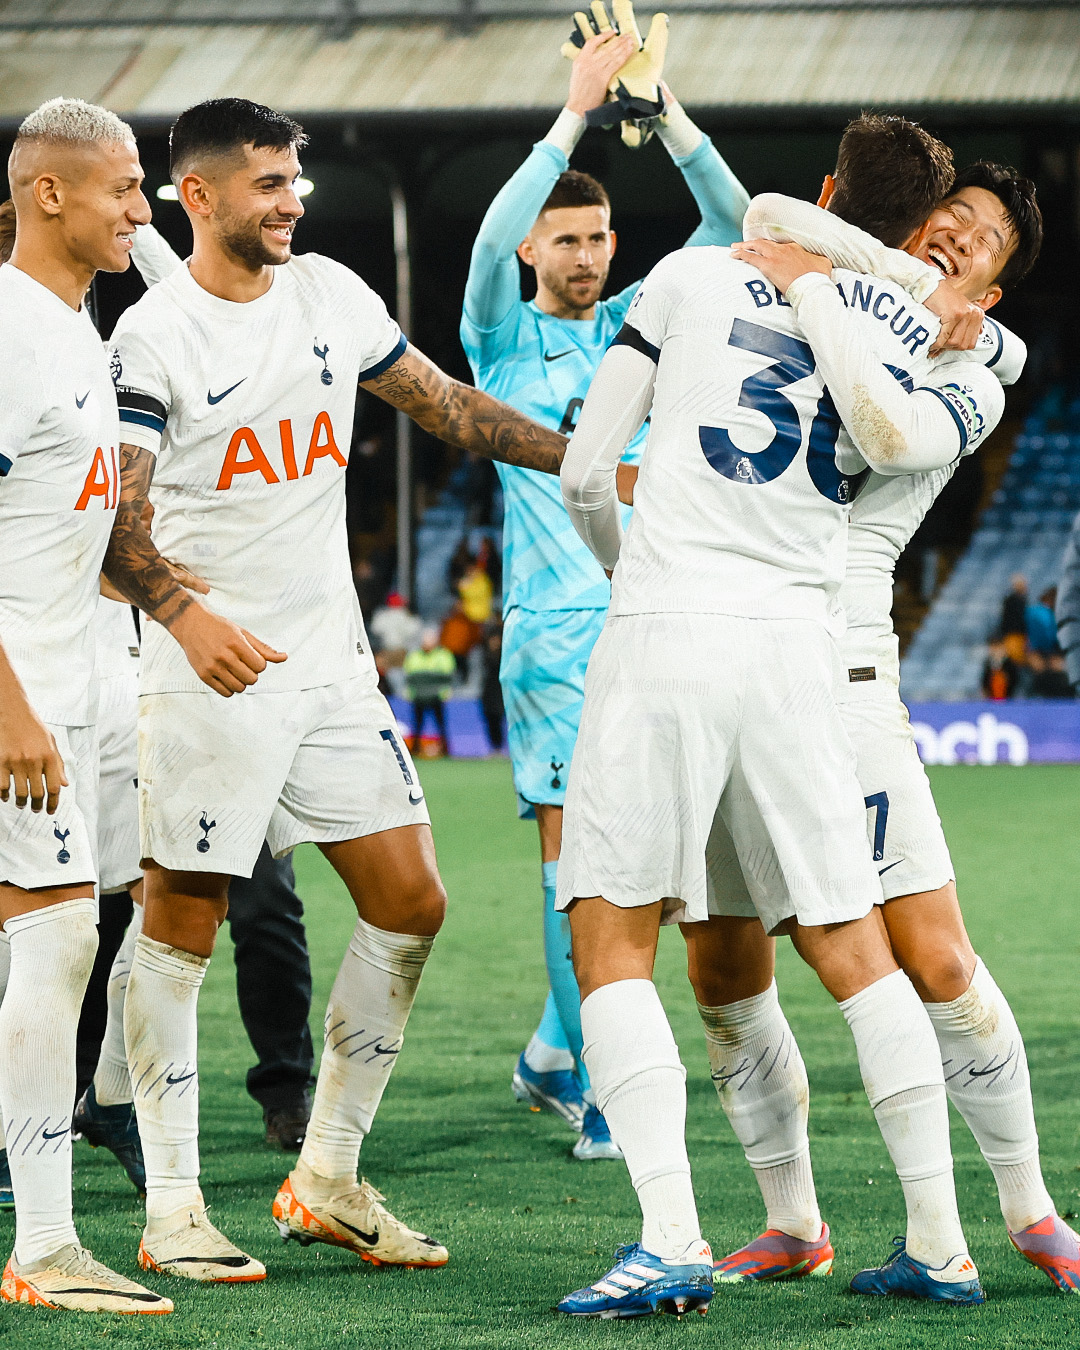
(1052, 1245)
(904, 1277)
(777, 1256)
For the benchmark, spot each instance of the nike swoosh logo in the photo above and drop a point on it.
(216, 398)
(80, 401)
(883, 870)
(557, 356)
(172, 1082)
(369, 1238)
(415, 801)
(56, 1134)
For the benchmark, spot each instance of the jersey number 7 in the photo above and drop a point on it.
(790, 361)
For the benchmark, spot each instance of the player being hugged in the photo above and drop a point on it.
(76, 184)
(237, 377)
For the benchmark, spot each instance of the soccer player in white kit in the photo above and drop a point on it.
(985, 236)
(710, 695)
(238, 373)
(75, 180)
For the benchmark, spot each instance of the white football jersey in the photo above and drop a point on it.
(117, 638)
(887, 512)
(742, 502)
(59, 485)
(249, 409)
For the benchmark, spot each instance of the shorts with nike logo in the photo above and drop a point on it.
(39, 850)
(219, 775)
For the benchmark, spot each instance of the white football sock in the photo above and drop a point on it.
(161, 1031)
(901, 1070)
(986, 1076)
(761, 1081)
(112, 1082)
(365, 1021)
(5, 964)
(544, 1058)
(640, 1087)
(52, 954)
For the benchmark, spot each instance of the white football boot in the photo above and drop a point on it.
(355, 1219)
(70, 1278)
(186, 1244)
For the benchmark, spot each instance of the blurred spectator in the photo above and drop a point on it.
(491, 699)
(1049, 678)
(394, 630)
(1013, 627)
(1000, 671)
(1068, 605)
(366, 581)
(429, 678)
(476, 591)
(1041, 624)
(459, 635)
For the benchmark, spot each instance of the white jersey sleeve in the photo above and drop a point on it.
(899, 428)
(21, 398)
(153, 255)
(140, 370)
(381, 340)
(772, 215)
(615, 406)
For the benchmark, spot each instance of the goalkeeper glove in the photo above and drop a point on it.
(634, 97)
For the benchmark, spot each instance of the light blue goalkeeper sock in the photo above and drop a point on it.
(560, 969)
(550, 1031)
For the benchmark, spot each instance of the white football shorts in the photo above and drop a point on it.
(903, 826)
(218, 775)
(38, 850)
(118, 783)
(701, 726)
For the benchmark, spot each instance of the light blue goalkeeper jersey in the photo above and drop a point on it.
(543, 366)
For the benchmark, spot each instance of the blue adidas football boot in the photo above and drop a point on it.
(557, 1091)
(904, 1277)
(7, 1195)
(114, 1128)
(639, 1284)
(595, 1140)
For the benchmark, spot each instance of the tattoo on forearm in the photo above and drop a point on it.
(463, 416)
(132, 563)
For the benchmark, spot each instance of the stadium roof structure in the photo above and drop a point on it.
(150, 58)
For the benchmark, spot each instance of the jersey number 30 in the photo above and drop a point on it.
(790, 360)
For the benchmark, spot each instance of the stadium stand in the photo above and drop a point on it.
(1024, 529)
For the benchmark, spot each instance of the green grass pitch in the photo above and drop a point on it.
(458, 1157)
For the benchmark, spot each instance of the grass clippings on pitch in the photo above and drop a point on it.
(456, 1156)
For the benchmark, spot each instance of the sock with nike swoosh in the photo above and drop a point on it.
(987, 1079)
(52, 952)
(365, 1023)
(161, 1033)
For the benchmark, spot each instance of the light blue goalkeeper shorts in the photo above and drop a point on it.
(544, 656)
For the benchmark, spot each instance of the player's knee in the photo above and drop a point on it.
(423, 907)
(941, 973)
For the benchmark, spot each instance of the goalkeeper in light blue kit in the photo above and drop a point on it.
(540, 356)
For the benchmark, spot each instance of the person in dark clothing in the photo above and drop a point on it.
(273, 988)
(1049, 677)
(1000, 672)
(1014, 619)
(491, 698)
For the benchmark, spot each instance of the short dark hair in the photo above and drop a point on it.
(890, 174)
(1017, 196)
(221, 126)
(576, 189)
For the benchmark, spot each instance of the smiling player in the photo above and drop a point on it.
(76, 184)
(237, 380)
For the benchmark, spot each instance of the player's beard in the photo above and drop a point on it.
(565, 292)
(243, 239)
